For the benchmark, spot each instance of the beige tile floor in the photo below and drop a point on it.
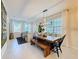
(27, 51)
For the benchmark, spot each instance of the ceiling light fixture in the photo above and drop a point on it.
(45, 10)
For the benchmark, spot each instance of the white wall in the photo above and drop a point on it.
(74, 24)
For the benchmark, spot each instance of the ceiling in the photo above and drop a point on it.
(30, 9)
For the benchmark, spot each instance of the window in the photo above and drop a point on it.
(27, 27)
(19, 26)
(16, 26)
(55, 26)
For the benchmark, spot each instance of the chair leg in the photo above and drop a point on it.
(60, 49)
(54, 50)
(57, 51)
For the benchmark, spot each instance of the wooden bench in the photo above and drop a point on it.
(45, 47)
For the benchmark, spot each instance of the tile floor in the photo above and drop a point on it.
(27, 51)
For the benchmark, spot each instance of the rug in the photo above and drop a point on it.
(21, 40)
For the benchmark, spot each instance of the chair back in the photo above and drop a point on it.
(57, 45)
(61, 40)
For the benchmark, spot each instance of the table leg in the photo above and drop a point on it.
(32, 43)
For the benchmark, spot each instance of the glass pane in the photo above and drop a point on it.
(58, 30)
(17, 27)
(26, 27)
(55, 26)
(58, 22)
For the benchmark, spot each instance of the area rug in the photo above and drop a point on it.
(21, 40)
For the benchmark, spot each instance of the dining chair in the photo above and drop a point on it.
(57, 45)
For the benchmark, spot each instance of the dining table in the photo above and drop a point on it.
(43, 42)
